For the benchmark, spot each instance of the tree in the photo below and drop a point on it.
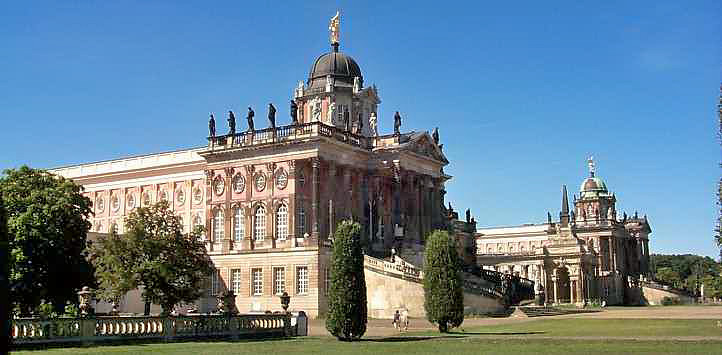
(443, 283)
(347, 312)
(47, 218)
(153, 254)
(4, 284)
(718, 234)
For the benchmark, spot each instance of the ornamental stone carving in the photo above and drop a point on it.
(130, 201)
(281, 179)
(260, 182)
(219, 186)
(197, 195)
(100, 204)
(239, 183)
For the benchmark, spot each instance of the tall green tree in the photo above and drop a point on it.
(4, 282)
(443, 283)
(347, 312)
(153, 254)
(47, 236)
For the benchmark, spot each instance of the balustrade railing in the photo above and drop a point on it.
(92, 330)
(288, 133)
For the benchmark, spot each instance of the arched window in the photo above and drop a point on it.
(218, 226)
(301, 222)
(282, 223)
(259, 224)
(238, 225)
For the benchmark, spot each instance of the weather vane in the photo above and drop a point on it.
(335, 28)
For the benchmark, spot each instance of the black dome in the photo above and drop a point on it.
(340, 66)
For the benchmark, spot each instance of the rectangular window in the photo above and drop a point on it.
(327, 281)
(302, 280)
(215, 283)
(301, 223)
(279, 280)
(238, 226)
(236, 281)
(257, 282)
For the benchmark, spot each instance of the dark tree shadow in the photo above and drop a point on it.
(401, 339)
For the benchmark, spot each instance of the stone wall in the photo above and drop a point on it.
(653, 296)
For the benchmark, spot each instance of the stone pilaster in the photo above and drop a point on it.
(315, 190)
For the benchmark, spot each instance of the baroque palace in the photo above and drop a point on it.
(269, 200)
(590, 253)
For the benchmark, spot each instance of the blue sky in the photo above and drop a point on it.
(522, 92)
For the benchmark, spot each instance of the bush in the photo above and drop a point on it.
(443, 283)
(347, 313)
(670, 301)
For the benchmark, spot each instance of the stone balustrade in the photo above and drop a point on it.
(94, 330)
(400, 270)
(288, 133)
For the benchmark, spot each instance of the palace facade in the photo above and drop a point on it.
(589, 253)
(269, 198)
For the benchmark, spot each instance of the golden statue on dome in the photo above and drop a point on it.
(592, 167)
(335, 28)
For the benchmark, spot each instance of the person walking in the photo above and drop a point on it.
(397, 319)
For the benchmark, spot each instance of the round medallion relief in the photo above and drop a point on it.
(164, 195)
(146, 199)
(219, 186)
(197, 196)
(130, 201)
(100, 204)
(260, 182)
(239, 183)
(180, 196)
(115, 203)
(282, 179)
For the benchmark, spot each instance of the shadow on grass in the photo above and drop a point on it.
(499, 333)
(402, 339)
(146, 342)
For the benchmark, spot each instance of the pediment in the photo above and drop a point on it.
(422, 144)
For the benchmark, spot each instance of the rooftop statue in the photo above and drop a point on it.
(335, 28)
(374, 125)
(359, 124)
(231, 123)
(316, 109)
(249, 118)
(397, 123)
(272, 115)
(346, 120)
(332, 119)
(468, 215)
(294, 112)
(435, 135)
(212, 126)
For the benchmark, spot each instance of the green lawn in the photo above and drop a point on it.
(605, 327)
(523, 337)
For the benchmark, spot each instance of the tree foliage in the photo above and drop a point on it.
(443, 283)
(347, 312)
(687, 272)
(47, 219)
(153, 254)
(718, 234)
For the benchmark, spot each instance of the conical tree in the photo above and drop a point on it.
(347, 313)
(443, 284)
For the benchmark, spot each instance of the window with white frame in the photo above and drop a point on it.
(301, 222)
(259, 224)
(218, 226)
(238, 225)
(301, 280)
(198, 221)
(215, 283)
(257, 281)
(236, 281)
(282, 223)
(279, 280)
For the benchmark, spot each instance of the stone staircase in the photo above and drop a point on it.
(537, 311)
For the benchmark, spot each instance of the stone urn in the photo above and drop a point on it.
(227, 303)
(285, 301)
(85, 298)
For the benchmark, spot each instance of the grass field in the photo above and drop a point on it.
(546, 336)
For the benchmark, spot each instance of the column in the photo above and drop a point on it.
(572, 290)
(556, 289)
(347, 192)
(396, 220)
(315, 189)
(365, 220)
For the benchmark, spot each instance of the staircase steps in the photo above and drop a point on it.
(552, 311)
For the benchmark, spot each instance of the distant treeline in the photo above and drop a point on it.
(688, 272)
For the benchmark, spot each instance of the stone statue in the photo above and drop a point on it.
(212, 126)
(374, 124)
(335, 28)
(397, 123)
(332, 113)
(231, 123)
(272, 115)
(356, 84)
(346, 120)
(435, 135)
(294, 112)
(549, 218)
(468, 215)
(610, 213)
(316, 109)
(592, 167)
(249, 118)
